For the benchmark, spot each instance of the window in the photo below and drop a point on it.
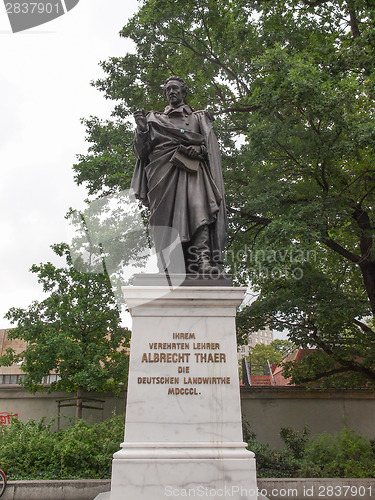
(11, 379)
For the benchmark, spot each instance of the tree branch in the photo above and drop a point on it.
(354, 181)
(244, 109)
(316, 3)
(363, 220)
(253, 218)
(242, 182)
(289, 154)
(212, 57)
(354, 26)
(328, 373)
(346, 364)
(330, 243)
(324, 180)
(319, 342)
(363, 326)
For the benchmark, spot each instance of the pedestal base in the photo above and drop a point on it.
(184, 478)
(183, 432)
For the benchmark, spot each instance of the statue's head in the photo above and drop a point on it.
(175, 90)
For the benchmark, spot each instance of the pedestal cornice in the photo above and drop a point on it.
(197, 301)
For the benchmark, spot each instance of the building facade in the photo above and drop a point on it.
(260, 337)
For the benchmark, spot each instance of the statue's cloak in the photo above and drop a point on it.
(177, 198)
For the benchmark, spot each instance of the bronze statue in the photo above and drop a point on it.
(178, 176)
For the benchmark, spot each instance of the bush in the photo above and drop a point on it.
(33, 450)
(248, 434)
(296, 441)
(26, 448)
(271, 462)
(86, 449)
(346, 454)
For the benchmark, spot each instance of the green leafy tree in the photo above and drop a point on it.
(282, 346)
(294, 80)
(75, 332)
(261, 354)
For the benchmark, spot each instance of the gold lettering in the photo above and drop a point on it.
(202, 357)
(186, 391)
(206, 380)
(183, 336)
(206, 345)
(175, 357)
(168, 346)
(158, 380)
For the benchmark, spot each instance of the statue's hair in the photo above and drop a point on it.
(184, 87)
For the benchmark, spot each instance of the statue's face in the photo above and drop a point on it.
(174, 94)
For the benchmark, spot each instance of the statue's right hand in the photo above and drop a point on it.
(141, 119)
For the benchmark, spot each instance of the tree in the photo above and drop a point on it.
(295, 81)
(262, 353)
(73, 333)
(282, 346)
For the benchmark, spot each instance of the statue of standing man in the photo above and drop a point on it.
(178, 175)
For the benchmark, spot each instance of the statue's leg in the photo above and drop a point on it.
(199, 253)
(169, 250)
(191, 259)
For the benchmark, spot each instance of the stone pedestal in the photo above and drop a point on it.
(183, 431)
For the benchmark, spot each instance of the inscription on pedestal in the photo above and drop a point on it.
(184, 356)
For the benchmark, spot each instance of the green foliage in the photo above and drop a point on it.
(282, 346)
(295, 81)
(89, 448)
(110, 151)
(26, 449)
(262, 353)
(315, 367)
(248, 434)
(33, 450)
(74, 332)
(271, 462)
(296, 441)
(345, 455)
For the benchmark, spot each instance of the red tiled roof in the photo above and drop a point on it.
(260, 380)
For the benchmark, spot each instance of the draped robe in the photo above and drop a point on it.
(177, 198)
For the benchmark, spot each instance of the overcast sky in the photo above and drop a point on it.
(45, 90)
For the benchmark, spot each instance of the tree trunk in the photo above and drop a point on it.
(353, 19)
(368, 273)
(365, 263)
(79, 404)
